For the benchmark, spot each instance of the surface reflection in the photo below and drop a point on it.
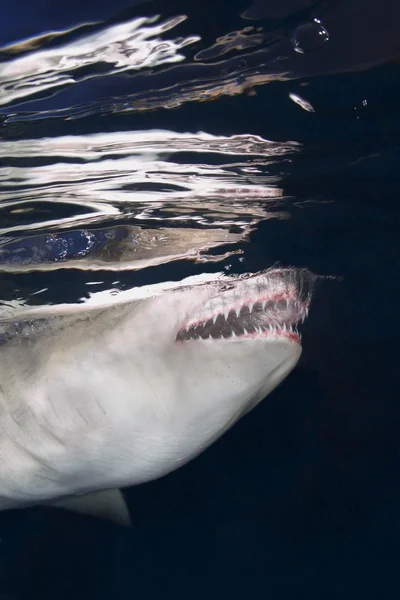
(159, 195)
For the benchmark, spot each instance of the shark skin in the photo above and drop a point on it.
(117, 396)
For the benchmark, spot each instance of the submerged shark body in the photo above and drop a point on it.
(122, 395)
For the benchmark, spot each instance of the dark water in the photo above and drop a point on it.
(201, 146)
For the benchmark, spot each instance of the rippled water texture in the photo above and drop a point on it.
(116, 152)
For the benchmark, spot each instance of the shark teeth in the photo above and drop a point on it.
(268, 304)
(275, 317)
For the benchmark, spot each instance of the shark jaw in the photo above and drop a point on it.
(268, 305)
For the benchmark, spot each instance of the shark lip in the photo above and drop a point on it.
(267, 305)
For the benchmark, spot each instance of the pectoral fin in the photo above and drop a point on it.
(106, 504)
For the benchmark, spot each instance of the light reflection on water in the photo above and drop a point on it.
(132, 199)
(86, 184)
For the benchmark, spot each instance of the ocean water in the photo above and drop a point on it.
(143, 142)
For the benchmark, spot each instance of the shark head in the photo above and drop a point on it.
(248, 329)
(219, 349)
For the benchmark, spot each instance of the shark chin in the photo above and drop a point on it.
(95, 400)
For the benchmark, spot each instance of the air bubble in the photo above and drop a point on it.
(309, 36)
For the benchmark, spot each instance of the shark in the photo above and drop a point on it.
(115, 396)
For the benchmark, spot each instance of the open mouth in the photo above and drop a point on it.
(271, 304)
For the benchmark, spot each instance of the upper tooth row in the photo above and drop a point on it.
(237, 312)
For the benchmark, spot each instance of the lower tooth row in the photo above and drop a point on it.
(226, 314)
